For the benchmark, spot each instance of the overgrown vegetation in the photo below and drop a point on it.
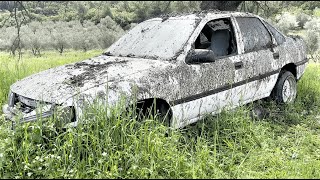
(229, 145)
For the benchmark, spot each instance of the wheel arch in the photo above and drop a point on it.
(291, 67)
(145, 103)
(287, 68)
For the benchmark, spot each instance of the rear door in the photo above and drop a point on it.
(258, 58)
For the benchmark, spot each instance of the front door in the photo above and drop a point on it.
(208, 85)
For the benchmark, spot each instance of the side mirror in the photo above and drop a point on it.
(197, 56)
(272, 46)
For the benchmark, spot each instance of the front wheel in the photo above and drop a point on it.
(285, 90)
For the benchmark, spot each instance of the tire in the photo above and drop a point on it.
(285, 90)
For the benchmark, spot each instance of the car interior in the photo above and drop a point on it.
(218, 36)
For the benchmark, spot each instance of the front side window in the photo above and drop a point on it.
(217, 36)
(254, 34)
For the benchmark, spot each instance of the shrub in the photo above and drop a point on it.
(302, 18)
(286, 22)
(312, 40)
(313, 24)
(312, 36)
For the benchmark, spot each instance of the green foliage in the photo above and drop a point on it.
(60, 35)
(312, 36)
(310, 5)
(286, 22)
(302, 19)
(124, 13)
(118, 17)
(312, 40)
(316, 12)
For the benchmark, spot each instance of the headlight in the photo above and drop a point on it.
(11, 99)
(64, 115)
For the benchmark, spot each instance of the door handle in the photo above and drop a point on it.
(276, 55)
(238, 65)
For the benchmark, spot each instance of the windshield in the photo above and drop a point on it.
(155, 39)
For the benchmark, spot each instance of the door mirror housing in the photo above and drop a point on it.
(198, 56)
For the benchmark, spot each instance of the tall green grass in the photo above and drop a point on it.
(229, 145)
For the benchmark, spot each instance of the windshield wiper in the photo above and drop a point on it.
(130, 55)
(107, 53)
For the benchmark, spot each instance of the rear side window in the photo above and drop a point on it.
(254, 33)
(278, 36)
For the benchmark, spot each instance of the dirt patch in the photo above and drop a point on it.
(78, 80)
(91, 71)
(96, 66)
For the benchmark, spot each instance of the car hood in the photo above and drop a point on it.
(56, 85)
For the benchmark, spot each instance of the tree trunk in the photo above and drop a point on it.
(34, 52)
(60, 49)
(220, 5)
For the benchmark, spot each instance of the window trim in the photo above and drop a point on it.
(265, 23)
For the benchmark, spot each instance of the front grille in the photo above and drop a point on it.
(29, 109)
(26, 105)
(11, 99)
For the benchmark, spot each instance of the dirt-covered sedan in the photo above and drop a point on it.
(187, 65)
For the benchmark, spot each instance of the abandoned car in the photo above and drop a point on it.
(187, 65)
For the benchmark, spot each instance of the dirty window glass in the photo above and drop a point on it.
(279, 37)
(155, 39)
(255, 35)
(217, 35)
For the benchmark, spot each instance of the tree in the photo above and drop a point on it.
(110, 31)
(220, 5)
(19, 18)
(60, 37)
(8, 40)
(35, 38)
(85, 38)
(82, 11)
(185, 6)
